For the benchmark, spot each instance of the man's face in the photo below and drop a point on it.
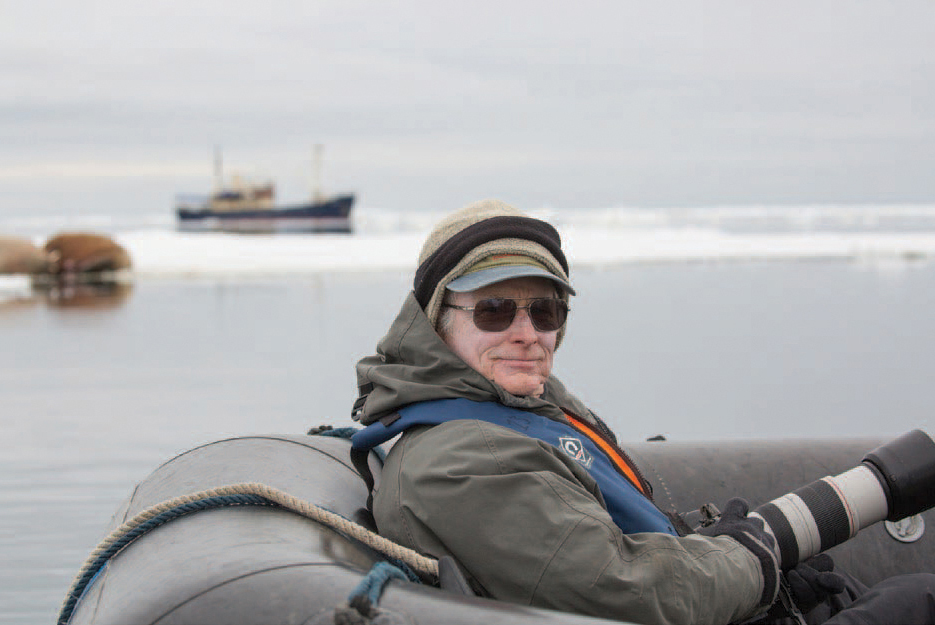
(519, 358)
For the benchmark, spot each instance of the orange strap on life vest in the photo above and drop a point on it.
(619, 461)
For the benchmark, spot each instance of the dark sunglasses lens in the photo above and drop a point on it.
(494, 315)
(548, 315)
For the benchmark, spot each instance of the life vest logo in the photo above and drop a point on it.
(575, 448)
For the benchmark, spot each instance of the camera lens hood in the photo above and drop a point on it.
(905, 467)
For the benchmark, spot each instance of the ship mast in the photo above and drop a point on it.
(218, 170)
(316, 173)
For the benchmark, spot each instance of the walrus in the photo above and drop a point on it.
(20, 255)
(79, 252)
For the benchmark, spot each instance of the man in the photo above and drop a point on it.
(502, 468)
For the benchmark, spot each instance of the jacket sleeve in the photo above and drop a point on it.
(530, 527)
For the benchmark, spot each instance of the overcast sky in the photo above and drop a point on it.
(109, 105)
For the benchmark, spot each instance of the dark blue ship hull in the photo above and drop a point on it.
(332, 215)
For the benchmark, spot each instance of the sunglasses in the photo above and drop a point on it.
(496, 314)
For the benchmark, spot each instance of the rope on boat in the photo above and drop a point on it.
(328, 430)
(365, 597)
(345, 433)
(245, 494)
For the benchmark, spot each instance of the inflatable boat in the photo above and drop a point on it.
(274, 529)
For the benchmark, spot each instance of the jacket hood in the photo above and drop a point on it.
(413, 364)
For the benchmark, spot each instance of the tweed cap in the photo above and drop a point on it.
(469, 238)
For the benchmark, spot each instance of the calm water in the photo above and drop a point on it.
(94, 397)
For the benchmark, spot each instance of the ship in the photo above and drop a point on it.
(243, 206)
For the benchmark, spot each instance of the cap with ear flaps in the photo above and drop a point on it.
(484, 243)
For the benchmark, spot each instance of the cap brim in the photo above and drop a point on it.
(486, 277)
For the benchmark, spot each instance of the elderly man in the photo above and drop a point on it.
(502, 468)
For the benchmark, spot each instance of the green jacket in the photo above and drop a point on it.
(524, 520)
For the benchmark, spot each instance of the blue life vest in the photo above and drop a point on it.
(632, 511)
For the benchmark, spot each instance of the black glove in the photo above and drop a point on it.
(813, 581)
(751, 533)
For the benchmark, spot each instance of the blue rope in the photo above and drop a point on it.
(368, 592)
(405, 568)
(346, 433)
(82, 584)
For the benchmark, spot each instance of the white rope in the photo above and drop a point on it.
(422, 564)
(414, 559)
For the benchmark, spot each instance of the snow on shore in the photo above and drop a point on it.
(390, 241)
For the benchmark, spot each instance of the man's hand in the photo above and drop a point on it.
(752, 534)
(813, 581)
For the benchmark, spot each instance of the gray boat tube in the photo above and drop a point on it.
(246, 564)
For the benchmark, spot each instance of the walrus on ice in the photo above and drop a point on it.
(77, 252)
(20, 255)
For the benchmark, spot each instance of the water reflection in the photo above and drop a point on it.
(97, 295)
(94, 294)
